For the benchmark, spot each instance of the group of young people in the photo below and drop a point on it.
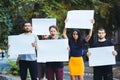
(54, 70)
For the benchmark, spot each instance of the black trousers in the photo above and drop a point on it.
(24, 66)
(103, 73)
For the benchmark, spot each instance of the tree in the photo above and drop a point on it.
(14, 12)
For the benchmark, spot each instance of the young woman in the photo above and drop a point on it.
(54, 69)
(76, 64)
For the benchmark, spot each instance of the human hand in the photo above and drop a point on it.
(88, 54)
(92, 21)
(114, 53)
(68, 48)
(66, 20)
(35, 45)
(8, 45)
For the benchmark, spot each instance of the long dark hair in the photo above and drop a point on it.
(79, 40)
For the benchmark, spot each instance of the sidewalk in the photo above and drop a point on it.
(88, 72)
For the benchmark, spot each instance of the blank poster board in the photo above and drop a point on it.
(41, 25)
(20, 44)
(101, 56)
(80, 19)
(52, 50)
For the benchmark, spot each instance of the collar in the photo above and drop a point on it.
(102, 40)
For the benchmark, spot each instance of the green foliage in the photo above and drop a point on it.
(14, 69)
(3, 35)
(1, 70)
(14, 12)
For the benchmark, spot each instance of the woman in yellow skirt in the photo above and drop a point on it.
(76, 43)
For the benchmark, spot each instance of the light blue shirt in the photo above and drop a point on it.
(29, 57)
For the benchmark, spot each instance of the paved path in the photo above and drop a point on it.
(88, 72)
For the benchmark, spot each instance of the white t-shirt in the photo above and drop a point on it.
(29, 57)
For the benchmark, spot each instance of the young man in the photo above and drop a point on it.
(102, 72)
(28, 61)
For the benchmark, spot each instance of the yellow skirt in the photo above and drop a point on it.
(76, 66)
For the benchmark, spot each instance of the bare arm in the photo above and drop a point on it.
(87, 38)
(65, 36)
(64, 33)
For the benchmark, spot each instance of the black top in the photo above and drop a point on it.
(76, 49)
(102, 44)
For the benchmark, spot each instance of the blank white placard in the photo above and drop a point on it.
(101, 56)
(52, 50)
(41, 25)
(80, 19)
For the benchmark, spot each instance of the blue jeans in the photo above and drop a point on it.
(31, 65)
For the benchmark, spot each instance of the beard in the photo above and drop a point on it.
(101, 38)
(27, 31)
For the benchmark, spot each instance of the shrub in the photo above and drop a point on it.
(14, 69)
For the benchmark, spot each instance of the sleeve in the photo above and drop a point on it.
(36, 38)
